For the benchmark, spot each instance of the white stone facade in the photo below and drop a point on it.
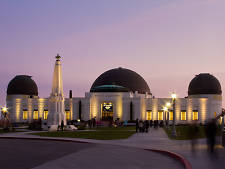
(143, 107)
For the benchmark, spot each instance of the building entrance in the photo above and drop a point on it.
(107, 111)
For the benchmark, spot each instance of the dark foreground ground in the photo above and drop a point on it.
(26, 154)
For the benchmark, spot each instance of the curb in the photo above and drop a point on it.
(46, 139)
(180, 158)
(176, 156)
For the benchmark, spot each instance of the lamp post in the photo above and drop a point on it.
(174, 96)
(168, 104)
(165, 109)
(4, 113)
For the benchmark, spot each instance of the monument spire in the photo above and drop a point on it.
(56, 100)
(57, 85)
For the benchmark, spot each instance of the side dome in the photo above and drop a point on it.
(22, 85)
(204, 83)
(120, 80)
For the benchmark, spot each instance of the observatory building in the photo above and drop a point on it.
(118, 94)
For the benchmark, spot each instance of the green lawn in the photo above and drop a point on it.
(101, 133)
(133, 128)
(183, 132)
(6, 131)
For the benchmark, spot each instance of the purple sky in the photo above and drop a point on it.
(167, 42)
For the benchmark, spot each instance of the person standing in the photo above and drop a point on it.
(146, 126)
(62, 125)
(137, 125)
(141, 126)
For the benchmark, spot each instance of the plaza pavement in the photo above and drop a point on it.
(45, 154)
(157, 139)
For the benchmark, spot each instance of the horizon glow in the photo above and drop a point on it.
(167, 43)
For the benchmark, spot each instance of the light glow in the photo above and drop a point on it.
(173, 96)
(165, 108)
(168, 104)
(4, 109)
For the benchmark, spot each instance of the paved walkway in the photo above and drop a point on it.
(157, 138)
(39, 154)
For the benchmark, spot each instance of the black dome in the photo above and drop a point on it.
(120, 80)
(22, 85)
(204, 83)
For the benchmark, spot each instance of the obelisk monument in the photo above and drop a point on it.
(56, 114)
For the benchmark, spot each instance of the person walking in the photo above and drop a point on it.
(211, 130)
(193, 134)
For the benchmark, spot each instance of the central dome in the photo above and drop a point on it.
(120, 80)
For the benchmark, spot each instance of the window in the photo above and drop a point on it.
(67, 115)
(149, 115)
(45, 114)
(160, 115)
(25, 115)
(195, 115)
(35, 115)
(171, 115)
(183, 115)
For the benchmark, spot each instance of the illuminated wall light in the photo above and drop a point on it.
(189, 110)
(177, 109)
(119, 107)
(203, 109)
(18, 109)
(41, 107)
(155, 108)
(94, 108)
(143, 109)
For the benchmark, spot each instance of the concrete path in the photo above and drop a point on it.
(157, 139)
(39, 154)
(199, 158)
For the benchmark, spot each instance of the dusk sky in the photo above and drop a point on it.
(167, 42)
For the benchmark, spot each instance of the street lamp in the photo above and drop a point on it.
(174, 96)
(4, 111)
(165, 109)
(168, 105)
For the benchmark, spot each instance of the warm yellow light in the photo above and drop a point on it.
(78, 120)
(173, 95)
(4, 109)
(165, 109)
(168, 104)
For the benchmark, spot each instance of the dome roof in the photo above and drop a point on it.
(204, 83)
(22, 85)
(120, 80)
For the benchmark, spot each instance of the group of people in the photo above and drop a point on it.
(91, 123)
(142, 126)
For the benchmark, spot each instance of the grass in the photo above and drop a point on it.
(7, 131)
(116, 128)
(183, 132)
(101, 133)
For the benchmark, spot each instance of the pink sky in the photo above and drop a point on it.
(167, 43)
